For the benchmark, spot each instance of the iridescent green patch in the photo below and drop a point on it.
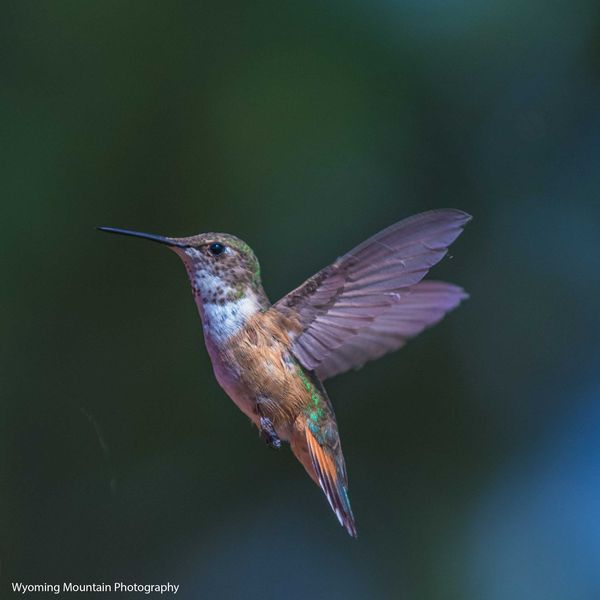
(240, 291)
(245, 249)
(316, 412)
(256, 275)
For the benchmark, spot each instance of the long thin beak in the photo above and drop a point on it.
(161, 239)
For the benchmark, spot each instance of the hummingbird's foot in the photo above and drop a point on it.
(268, 433)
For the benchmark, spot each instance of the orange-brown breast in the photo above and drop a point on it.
(266, 367)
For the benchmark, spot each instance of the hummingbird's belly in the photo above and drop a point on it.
(231, 382)
(259, 381)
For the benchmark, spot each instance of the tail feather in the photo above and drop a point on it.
(332, 480)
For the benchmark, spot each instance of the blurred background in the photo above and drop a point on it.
(473, 453)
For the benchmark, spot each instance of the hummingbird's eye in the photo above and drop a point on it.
(216, 249)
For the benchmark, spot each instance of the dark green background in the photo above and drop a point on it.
(473, 454)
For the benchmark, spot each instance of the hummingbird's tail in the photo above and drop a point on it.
(330, 473)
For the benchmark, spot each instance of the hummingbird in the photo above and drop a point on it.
(272, 359)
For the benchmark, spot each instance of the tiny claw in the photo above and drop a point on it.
(268, 433)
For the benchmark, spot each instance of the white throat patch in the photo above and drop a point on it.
(221, 321)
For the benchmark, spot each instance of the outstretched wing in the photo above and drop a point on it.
(419, 307)
(352, 303)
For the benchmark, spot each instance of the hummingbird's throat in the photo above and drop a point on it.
(224, 306)
(212, 289)
(226, 298)
(222, 320)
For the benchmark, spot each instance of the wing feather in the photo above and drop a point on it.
(364, 304)
(423, 307)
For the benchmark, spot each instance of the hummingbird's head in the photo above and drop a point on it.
(221, 267)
